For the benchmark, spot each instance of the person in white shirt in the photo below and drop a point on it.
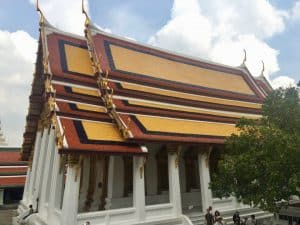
(219, 221)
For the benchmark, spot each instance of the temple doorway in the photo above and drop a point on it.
(190, 180)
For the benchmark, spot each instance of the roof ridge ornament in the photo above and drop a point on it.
(87, 18)
(38, 9)
(102, 82)
(245, 59)
(263, 69)
(43, 21)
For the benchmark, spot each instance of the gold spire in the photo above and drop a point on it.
(245, 59)
(87, 18)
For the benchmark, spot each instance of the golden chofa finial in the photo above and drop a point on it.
(42, 18)
(263, 68)
(87, 19)
(245, 58)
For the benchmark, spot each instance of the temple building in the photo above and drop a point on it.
(12, 174)
(120, 132)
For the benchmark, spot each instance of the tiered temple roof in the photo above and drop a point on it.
(12, 170)
(111, 95)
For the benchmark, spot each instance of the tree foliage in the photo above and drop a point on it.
(261, 165)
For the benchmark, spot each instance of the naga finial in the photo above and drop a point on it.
(263, 68)
(87, 19)
(245, 58)
(38, 9)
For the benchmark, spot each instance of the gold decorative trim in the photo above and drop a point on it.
(208, 155)
(87, 19)
(178, 153)
(175, 149)
(40, 126)
(60, 138)
(78, 167)
(102, 79)
(46, 117)
(48, 114)
(43, 38)
(62, 163)
(142, 167)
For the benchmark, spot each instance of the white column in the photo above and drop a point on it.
(139, 187)
(174, 185)
(26, 187)
(48, 164)
(110, 182)
(206, 193)
(36, 154)
(40, 166)
(71, 195)
(54, 190)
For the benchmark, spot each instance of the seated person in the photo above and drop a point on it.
(24, 216)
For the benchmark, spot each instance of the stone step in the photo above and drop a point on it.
(198, 218)
(227, 212)
(174, 221)
(259, 216)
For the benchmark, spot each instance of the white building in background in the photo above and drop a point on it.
(124, 133)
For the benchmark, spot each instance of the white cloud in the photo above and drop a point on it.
(65, 15)
(188, 30)
(230, 52)
(220, 30)
(17, 57)
(295, 13)
(256, 17)
(283, 81)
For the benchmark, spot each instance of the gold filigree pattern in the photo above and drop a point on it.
(60, 138)
(178, 153)
(142, 167)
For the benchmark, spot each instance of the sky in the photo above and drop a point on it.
(216, 30)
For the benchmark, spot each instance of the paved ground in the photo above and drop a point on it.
(6, 216)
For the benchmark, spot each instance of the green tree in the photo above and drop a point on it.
(261, 165)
